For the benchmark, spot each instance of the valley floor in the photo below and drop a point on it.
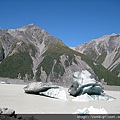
(12, 96)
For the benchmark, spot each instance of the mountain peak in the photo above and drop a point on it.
(109, 35)
(31, 26)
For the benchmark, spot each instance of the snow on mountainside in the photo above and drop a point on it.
(105, 50)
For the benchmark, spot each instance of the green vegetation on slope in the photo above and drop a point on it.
(23, 47)
(102, 72)
(93, 54)
(102, 57)
(17, 63)
(56, 50)
(21, 62)
(116, 70)
(52, 58)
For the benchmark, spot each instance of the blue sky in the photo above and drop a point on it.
(72, 21)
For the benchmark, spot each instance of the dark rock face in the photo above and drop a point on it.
(2, 54)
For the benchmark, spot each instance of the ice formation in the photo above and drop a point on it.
(83, 98)
(85, 82)
(55, 93)
(88, 98)
(91, 110)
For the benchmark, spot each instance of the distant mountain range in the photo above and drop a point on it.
(105, 51)
(30, 53)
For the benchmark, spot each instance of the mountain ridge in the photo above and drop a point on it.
(105, 50)
(30, 53)
(29, 43)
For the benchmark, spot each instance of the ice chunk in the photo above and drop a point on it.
(85, 82)
(55, 93)
(88, 98)
(91, 110)
(83, 98)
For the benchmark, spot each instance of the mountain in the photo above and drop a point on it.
(30, 53)
(105, 51)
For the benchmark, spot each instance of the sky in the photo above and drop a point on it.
(73, 21)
